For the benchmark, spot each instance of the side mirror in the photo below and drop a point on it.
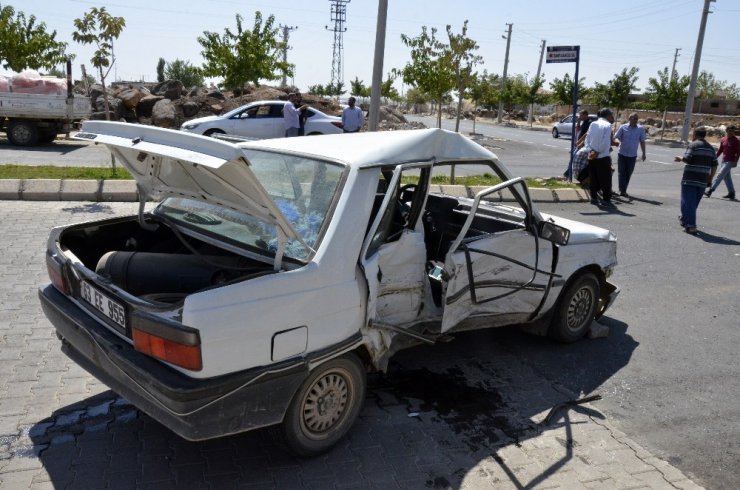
(554, 233)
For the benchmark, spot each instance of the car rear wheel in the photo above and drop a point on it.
(23, 133)
(576, 309)
(211, 132)
(326, 406)
(555, 133)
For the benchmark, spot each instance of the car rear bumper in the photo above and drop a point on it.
(195, 409)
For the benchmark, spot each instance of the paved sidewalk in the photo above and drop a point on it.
(468, 414)
(125, 191)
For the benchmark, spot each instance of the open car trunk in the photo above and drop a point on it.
(158, 265)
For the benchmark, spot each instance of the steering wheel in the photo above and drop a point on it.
(406, 193)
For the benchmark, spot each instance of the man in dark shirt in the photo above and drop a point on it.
(729, 148)
(701, 164)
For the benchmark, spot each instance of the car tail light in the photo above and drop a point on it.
(177, 353)
(56, 274)
(337, 124)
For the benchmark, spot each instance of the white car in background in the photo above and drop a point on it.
(261, 120)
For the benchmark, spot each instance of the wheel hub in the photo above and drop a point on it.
(325, 403)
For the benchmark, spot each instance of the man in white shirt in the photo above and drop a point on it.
(290, 116)
(599, 141)
(352, 117)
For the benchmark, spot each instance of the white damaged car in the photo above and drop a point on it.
(274, 274)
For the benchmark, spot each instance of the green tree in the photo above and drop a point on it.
(160, 70)
(245, 55)
(415, 98)
(26, 44)
(530, 94)
(189, 75)
(317, 89)
(100, 28)
(429, 69)
(621, 86)
(665, 91)
(706, 88)
(359, 88)
(482, 92)
(463, 60)
(387, 89)
(562, 90)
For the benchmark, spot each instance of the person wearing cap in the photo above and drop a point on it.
(599, 141)
(701, 164)
(630, 136)
(291, 115)
(729, 148)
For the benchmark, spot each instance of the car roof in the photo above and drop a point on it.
(369, 149)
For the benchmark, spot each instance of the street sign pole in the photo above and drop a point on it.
(568, 54)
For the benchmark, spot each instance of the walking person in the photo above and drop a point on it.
(701, 164)
(630, 135)
(599, 141)
(352, 117)
(729, 148)
(291, 115)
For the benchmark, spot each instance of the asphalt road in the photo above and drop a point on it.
(668, 371)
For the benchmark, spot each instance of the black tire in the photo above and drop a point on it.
(576, 309)
(211, 132)
(47, 137)
(22, 133)
(325, 407)
(555, 133)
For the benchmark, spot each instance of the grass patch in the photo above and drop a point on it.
(488, 180)
(51, 172)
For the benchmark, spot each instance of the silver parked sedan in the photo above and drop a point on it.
(261, 120)
(564, 127)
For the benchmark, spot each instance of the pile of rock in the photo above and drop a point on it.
(169, 104)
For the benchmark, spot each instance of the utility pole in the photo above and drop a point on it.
(286, 35)
(500, 114)
(695, 73)
(539, 68)
(374, 113)
(673, 75)
(339, 16)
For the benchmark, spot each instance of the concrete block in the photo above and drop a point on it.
(541, 194)
(41, 190)
(10, 189)
(454, 190)
(80, 190)
(118, 190)
(570, 195)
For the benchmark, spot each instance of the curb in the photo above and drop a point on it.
(125, 191)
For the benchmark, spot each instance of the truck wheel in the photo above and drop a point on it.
(22, 133)
(325, 407)
(576, 309)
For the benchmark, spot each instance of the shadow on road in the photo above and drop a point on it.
(57, 148)
(437, 415)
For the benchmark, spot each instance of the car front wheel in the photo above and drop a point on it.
(211, 132)
(555, 133)
(576, 309)
(326, 406)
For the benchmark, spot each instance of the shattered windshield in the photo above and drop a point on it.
(302, 188)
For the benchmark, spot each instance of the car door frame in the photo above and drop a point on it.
(461, 285)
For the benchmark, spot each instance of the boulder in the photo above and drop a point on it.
(146, 104)
(164, 114)
(170, 89)
(190, 109)
(130, 97)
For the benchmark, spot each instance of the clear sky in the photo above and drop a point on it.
(612, 35)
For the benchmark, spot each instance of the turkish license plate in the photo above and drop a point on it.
(102, 303)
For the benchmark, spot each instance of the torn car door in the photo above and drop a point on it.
(497, 267)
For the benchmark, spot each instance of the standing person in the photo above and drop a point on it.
(701, 164)
(291, 114)
(583, 123)
(599, 141)
(729, 148)
(302, 116)
(352, 117)
(629, 136)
